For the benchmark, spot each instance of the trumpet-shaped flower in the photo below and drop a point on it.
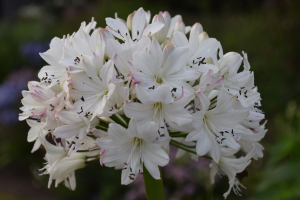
(160, 107)
(164, 67)
(132, 148)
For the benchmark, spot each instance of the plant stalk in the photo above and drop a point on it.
(154, 188)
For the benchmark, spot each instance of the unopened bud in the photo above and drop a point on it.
(129, 21)
(160, 36)
(203, 36)
(180, 26)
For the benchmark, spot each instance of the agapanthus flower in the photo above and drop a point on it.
(122, 94)
(132, 148)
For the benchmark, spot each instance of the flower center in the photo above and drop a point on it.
(157, 105)
(158, 79)
(137, 141)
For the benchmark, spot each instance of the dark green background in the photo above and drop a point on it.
(267, 30)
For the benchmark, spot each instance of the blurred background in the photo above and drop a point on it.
(268, 30)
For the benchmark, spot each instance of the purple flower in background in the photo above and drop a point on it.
(30, 52)
(11, 95)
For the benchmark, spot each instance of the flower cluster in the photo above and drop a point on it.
(124, 93)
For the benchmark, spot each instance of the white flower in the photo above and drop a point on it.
(65, 54)
(114, 102)
(164, 67)
(217, 127)
(230, 166)
(198, 53)
(75, 125)
(36, 128)
(159, 106)
(61, 167)
(168, 83)
(132, 148)
(139, 28)
(90, 89)
(35, 101)
(122, 54)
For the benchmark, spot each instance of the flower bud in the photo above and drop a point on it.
(167, 17)
(180, 26)
(203, 36)
(129, 21)
(160, 35)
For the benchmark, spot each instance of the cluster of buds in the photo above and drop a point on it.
(121, 95)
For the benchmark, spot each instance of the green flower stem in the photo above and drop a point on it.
(118, 119)
(188, 150)
(178, 134)
(188, 146)
(154, 188)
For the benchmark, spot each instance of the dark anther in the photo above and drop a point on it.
(80, 111)
(138, 32)
(46, 73)
(76, 60)
(116, 106)
(242, 87)
(174, 89)
(201, 62)
(240, 92)
(152, 87)
(82, 99)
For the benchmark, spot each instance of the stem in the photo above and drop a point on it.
(101, 128)
(188, 150)
(178, 135)
(90, 161)
(174, 141)
(87, 150)
(154, 188)
(119, 120)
